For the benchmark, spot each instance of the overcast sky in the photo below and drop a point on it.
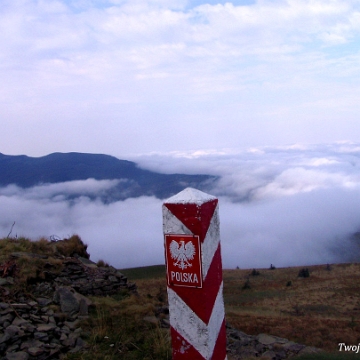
(131, 77)
(264, 93)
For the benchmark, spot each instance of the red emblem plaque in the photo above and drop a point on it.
(183, 260)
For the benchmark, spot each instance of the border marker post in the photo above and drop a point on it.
(194, 276)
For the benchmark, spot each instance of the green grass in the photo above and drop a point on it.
(145, 272)
(118, 330)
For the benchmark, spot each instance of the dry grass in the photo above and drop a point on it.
(321, 310)
(65, 247)
(70, 247)
(117, 330)
(30, 257)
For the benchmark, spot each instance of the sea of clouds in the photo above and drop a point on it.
(291, 205)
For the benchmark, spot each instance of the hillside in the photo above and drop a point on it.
(58, 304)
(317, 306)
(25, 171)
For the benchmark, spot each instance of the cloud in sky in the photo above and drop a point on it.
(287, 206)
(123, 77)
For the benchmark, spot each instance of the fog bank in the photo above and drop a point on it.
(281, 206)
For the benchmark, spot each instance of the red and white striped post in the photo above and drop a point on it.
(194, 276)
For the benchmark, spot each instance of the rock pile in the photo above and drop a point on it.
(43, 322)
(243, 346)
(33, 330)
(85, 277)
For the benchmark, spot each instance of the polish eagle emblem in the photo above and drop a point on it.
(182, 253)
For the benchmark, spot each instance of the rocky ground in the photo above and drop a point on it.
(263, 346)
(243, 346)
(42, 319)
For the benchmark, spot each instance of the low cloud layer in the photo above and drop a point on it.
(298, 205)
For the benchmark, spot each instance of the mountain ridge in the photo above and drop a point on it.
(25, 172)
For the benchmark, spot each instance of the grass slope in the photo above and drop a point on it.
(145, 272)
(321, 310)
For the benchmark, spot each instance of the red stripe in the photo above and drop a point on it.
(181, 349)
(195, 217)
(219, 352)
(201, 301)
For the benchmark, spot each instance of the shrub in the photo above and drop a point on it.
(255, 272)
(246, 285)
(304, 273)
(102, 263)
(72, 246)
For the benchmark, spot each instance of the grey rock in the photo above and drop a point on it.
(44, 301)
(309, 350)
(269, 355)
(12, 330)
(293, 347)
(30, 343)
(69, 342)
(264, 346)
(67, 300)
(41, 336)
(75, 350)
(46, 327)
(35, 351)
(268, 339)
(13, 348)
(88, 263)
(18, 321)
(72, 324)
(7, 318)
(54, 351)
(32, 303)
(4, 305)
(28, 327)
(65, 330)
(4, 338)
(20, 355)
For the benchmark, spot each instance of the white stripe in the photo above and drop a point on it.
(185, 321)
(172, 225)
(211, 242)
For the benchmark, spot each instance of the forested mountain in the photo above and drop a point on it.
(25, 172)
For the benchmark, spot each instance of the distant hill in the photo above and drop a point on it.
(25, 172)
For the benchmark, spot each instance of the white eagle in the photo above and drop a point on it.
(182, 253)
